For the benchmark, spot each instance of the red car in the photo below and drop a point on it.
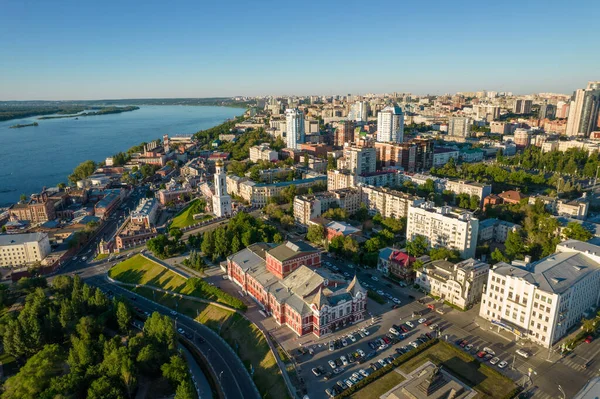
(589, 339)
(463, 343)
(428, 323)
(404, 328)
(481, 354)
(387, 340)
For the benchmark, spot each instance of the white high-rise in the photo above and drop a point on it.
(390, 125)
(584, 109)
(443, 227)
(295, 127)
(221, 200)
(459, 126)
(359, 111)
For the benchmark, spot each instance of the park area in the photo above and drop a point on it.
(185, 218)
(244, 337)
(141, 270)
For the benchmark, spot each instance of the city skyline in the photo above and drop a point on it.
(160, 51)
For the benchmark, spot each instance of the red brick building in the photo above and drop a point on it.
(512, 196)
(287, 282)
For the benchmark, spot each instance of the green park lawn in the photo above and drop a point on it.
(379, 386)
(185, 218)
(240, 334)
(488, 382)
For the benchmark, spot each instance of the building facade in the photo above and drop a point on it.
(584, 110)
(294, 121)
(444, 227)
(307, 207)
(459, 126)
(390, 125)
(23, 249)
(344, 133)
(460, 284)
(389, 203)
(289, 285)
(221, 200)
(263, 152)
(544, 300)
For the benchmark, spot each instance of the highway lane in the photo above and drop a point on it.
(234, 379)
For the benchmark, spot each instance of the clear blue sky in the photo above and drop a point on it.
(139, 49)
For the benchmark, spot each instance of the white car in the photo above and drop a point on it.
(523, 353)
(361, 352)
(352, 337)
(173, 313)
(502, 364)
(422, 320)
(364, 373)
(357, 376)
(365, 331)
(331, 346)
(380, 292)
(331, 364)
(348, 382)
(494, 360)
(180, 331)
(488, 350)
(374, 278)
(394, 331)
(383, 347)
(84, 258)
(344, 342)
(396, 301)
(414, 344)
(410, 324)
(344, 360)
(361, 333)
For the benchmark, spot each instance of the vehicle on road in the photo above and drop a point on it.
(523, 353)
(173, 313)
(396, 301)
(589, 339)
(180, 331)
(374, 278)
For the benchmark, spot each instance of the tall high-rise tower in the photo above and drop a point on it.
(295, 127)
(584, 109)
(390, 125)
(221, 200)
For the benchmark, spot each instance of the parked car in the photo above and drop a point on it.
(352, 337)
(494, 360)
(488, 350)
(361, 353)
(414, 344)
(348, 382)
(463, 343)
(374, 278)
(344, 342)
(481, 354)
(523, 353)
(411, 325)
(364, 330)
(488, 356)
(329, 393)
(589, 339)
(502, 364)
(316, 372)
(383, 347)
(433, 326)
(404, 328)
(422, 320)
(468, 347)
(337, 370)
(342, 384)
(344, 360)
(327, 376)
(338, 363)
(331, 346)
(331, 364)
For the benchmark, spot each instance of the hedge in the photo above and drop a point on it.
(376, 297)
(386, 369)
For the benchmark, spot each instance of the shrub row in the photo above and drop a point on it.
(202, 289)
(384, 370)
(376, 297)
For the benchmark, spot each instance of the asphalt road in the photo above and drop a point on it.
(235, 381)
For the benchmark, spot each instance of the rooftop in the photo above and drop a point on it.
(18, 239)
(290, 249)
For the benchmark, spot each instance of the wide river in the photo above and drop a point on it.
(37, 156)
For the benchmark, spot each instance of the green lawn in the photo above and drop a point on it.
(185, 218)
(101, 256)
(489, 382)
(238, 332)
(379, 386)
(139, 270)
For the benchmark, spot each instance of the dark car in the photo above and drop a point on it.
(338, 362)
(411, 297)
(327, 375)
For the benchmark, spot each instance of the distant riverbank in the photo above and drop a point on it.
(103, 111)
(26, 125)
(47, 154)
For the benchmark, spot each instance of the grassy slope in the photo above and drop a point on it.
(379, 386)
(186, 216)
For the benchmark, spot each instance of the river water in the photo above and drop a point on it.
(37, 156)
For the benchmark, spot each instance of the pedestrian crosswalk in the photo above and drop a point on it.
(589, 371)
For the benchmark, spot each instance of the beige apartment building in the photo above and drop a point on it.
(263, 152)
(387, 202)
(307, 207)
(23, 249)
(460, 284)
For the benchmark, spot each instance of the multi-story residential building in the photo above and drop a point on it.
(442, 155)
(337, 179)
(576, 209)
(471, 155)
(500, 127)
(145, 213)
(359, 112)
(467, 187)
(522, 137)
(522, 106)
(416, 155)
(23, 249)
(389, 203)
(258, 194)
(584, 110)
(344, 133)
(460, 284)
(358, 160)
(487, 112)
(307, 207)
(512, 196)
(444, 227)
(288, 284)
(263, 152)
(547, 111)
(459, 126)
(38, 209)
(173, 194)
(294, 120)
(495, 230)
(390, 125)
(381, 178)
(542, 301)
(396, 263)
